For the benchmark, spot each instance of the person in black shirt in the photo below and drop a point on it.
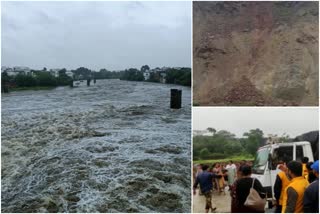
(311, 175)
(242, 188)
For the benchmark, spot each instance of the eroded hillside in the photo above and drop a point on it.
(255, 53)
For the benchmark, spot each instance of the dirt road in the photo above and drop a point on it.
(221, 201)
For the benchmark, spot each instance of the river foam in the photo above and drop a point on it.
(112, 147)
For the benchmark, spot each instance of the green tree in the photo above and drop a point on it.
(83, 72)
(145, 68)
(204, 153)
(132, 74)
(23, 80)
(179, 76)
(253, 140)
(46, 79)
(63, 78)
(212, 130)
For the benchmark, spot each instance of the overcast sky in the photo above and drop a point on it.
(112, 35)
(292, 121)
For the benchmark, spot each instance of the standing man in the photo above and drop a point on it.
(205, 178)
(293, 195)
(279, 188)
(311, 195)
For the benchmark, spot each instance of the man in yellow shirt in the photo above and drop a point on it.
(293, 195)
(280, 185)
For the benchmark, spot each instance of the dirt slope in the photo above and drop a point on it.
(255, 53)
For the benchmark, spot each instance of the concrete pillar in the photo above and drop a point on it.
(175, 101)
(88, 82)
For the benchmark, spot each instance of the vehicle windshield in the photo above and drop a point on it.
(260, 161)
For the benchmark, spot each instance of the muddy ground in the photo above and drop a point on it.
(221, 201)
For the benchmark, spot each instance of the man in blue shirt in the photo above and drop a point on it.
(205, 180)
(311, 195)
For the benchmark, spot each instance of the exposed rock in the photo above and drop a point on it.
(255, 53)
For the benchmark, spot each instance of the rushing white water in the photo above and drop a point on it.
(115, 146)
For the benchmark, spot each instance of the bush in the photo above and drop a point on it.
(23, 80)
(46, 79)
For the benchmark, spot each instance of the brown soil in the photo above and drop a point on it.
(255, 53)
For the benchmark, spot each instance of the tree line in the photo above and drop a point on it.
(224, 144)
(44, 78)
(180, 76)
(39, 78)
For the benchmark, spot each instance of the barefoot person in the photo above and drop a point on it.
(205, 178)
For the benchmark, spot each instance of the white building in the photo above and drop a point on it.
(146, 74)
(163, 76)
(55, 72)
(69, 73)
(21, 69)
(201, 133)
(4, 68)
(9, 71)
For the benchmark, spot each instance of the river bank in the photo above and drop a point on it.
(36, 88)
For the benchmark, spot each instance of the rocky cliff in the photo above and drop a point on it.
(255, 53)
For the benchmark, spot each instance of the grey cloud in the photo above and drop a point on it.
(292, 121)
(112, 35)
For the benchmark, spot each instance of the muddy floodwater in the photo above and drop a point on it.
(115, 146)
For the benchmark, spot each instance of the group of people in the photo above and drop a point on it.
(225, 173)
(296, 188)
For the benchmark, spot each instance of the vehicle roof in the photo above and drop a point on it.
(289, 143)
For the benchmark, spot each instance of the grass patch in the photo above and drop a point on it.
(234, 158)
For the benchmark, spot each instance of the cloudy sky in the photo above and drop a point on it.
(112, 35)
(292, 121)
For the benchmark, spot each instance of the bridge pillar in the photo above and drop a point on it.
(175, 101)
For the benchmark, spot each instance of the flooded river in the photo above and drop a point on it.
(115, 146)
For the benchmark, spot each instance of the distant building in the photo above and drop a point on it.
(21, 69)
(146, 74)
(69, 73)
(163, 76)
(200, 133)
(55, 72)
(9, 71)
(4, 68)
(157, 69)
(12, 73)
